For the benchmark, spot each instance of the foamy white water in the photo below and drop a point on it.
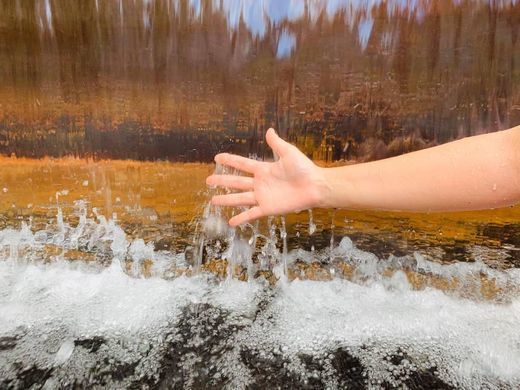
(74, 322)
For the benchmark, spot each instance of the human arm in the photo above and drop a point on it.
(473, 173)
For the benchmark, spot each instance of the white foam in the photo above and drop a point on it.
(64, 352)
(88, 302)
(470, 342)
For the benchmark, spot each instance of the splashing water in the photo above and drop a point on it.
(84, 304)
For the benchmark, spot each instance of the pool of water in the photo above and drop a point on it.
(118, 274)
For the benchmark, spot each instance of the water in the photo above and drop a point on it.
(119, 274)
(181, 80)
(71, 322)
(86, 301)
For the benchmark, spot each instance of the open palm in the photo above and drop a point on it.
(292, 183)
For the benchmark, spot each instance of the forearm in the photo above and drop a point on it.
(473, 173)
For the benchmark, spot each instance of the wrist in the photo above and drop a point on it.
(336, 190)
(325, 188)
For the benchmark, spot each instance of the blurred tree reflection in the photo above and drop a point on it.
(182, 79)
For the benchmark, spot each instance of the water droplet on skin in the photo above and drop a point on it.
(495, 187)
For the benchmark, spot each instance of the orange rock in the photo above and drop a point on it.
(267, 275)
(217, 267)
(77, 255)
(146, 268)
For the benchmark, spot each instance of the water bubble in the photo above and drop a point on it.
(215, 226)
(367, 312)
(64, 353)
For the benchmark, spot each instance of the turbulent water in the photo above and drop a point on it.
(84, 304)
(111, 276)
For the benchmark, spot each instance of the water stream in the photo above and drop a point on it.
(116, 272)
(85, 304)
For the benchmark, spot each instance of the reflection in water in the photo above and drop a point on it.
(183, 79)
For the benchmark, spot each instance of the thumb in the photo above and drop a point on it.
(279, 146)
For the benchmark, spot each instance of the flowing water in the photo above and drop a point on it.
(104, 284)
(116, 272)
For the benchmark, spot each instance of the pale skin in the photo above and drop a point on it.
(473, 173)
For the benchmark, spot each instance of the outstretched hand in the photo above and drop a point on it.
(290, 184)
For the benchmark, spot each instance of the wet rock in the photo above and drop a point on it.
(217, 267)
(26, 377)
(168, 243)
(8, 342)
(270, 373)
(138, 268)
(150, 233)
(267, 275)
(310, 271)
(77, 255)
(119, 371)
(3, 221)
(508, 234)
(183, 271)
(343, 269)
(202, 335)
(4, 252)
(426, 379)
(349, 370)
(220, 269)
(51, 251)
(91, 344)
(146, 268)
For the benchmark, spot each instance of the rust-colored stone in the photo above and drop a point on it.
(77, 255)
(146, 268)
(345, 270)
(267, 275)
(217, 267)
(308, 271)
(51, 250)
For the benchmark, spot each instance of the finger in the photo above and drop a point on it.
(231, 181)
(239, 199)
(238, 162)
(248, 215)
(279, 146)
